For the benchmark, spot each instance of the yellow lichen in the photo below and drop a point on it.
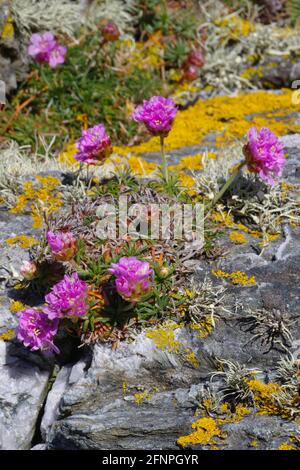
(16, 306)
(286, 446)
(41, 201)
(7, 336)
(8, 29)
(191, 357)
(236, 278)
(238, 238)
(67, 156)
(164, 337)
(206, 430)
(204, 327)
(191, 126)
(23, 241)
(142, 396)
(141, 167)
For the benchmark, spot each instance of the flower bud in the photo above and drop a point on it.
(28, 270)
(195, 58)
(190, 73)
(111, 32)
(62, 244)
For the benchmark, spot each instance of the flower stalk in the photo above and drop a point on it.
(164, 159)
(226, 185)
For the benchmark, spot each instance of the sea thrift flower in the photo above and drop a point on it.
(157, 114)
(133, 278)
(41, 45)
(196, 58)
(36, 331)
(94, 145)
(62, 244)
(28, 270)
(57, 56)
(44, 48)
(68, 298)
(264, 154)
(111, 32)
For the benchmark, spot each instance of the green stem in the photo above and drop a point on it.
(226, 185)
(164, 160)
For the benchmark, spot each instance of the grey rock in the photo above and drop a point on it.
(22, 391)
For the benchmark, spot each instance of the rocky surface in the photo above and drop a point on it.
(144, 395)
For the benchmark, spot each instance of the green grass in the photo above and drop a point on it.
(86, 89)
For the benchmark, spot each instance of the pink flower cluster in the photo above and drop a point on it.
(44, 48)
(62, 244)
(36, 331)
(68, 298)
(133, 278)
(157, 114)
(94, 145)
(38, 327)
(264, 154)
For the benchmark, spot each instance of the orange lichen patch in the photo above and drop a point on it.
(265, 398)
(23, 241)
(190, 162)
(269, 237)
(41, 201)
(8, 29)
(67, 156)
(286, 446)
(238, 238)
(141, 167)
(237, 277)
(7, 336)
(191, 357)
(16, 306)
(206, 429)
(204, 327)
(234, 417)
(164, 337)
(229, 117)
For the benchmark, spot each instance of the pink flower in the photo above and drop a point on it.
(28, 270)
(44, 48)
(41, 45)
(111, 32)
(94, 145)
(62, 244)
(36, 331)
(68, 298)
(157, 114)
(133, 278)
(57, 56)
(264, 154)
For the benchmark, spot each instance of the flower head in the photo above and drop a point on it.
(28, 270)
(157, 114)
(68, 298)
(111, 31)
(41, 45)
(264, 154)
(133, 278)
(57, 56)
(36, 331)
(62, 244)
(44, 48)
(94, 145)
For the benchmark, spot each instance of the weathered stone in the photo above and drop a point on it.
(22, 391)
